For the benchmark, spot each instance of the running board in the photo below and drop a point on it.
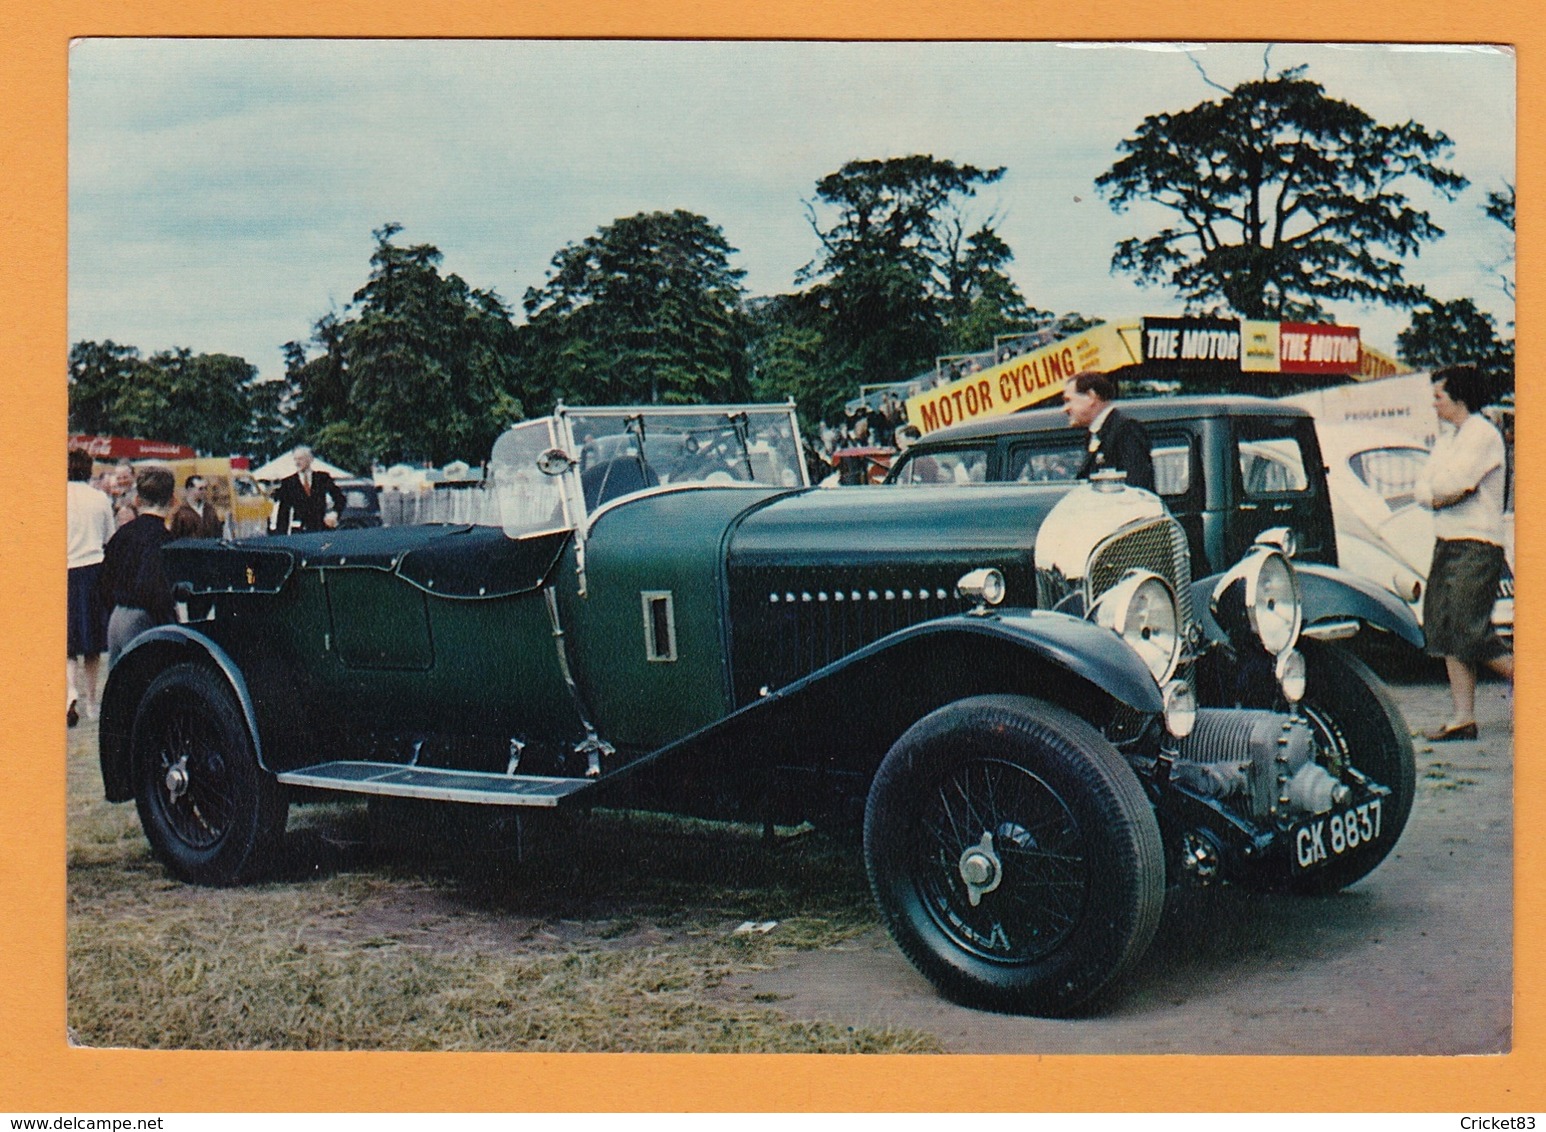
(400, 781)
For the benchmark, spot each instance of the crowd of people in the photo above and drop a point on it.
(115, 585)
(117, 521)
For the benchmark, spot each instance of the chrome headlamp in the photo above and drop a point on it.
(984, 585)
(1260, 597)
(1142, 610)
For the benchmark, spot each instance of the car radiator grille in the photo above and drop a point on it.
(1158, 546)
(791, 621)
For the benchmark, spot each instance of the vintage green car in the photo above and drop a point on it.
(1035, 712)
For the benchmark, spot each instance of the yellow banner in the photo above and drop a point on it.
(1373, 365)
(1028, 379)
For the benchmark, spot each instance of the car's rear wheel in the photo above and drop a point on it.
(211, 814)
(1014, 856)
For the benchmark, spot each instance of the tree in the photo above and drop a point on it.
(419, 366)
(646, 310)
(901, 261)
(1284, 199)
(791, 358)
(984, 301)
(210, 402)
(100, 372)
(1456, 333)
(1500, 206)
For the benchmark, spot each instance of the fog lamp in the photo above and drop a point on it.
(1292, 675)
(1180, 708)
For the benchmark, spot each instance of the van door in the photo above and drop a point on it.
(1280, 482)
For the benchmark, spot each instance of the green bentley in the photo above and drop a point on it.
(1036, 714)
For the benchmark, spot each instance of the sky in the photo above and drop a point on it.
(223, 192)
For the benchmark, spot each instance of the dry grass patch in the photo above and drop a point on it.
(621, 941)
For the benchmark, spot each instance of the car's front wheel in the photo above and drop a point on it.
(211, 814)
(1359, 733)
(1014, 856)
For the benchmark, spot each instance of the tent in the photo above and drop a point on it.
(284, 465)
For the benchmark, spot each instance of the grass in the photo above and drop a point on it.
(618, 939)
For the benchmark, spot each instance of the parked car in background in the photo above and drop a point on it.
(1382, 532)
(1019, 691)
(362, 504)
(1227, 468)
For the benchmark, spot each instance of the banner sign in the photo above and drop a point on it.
(1215, 346)
(130, 448)
(1021, 381)
(1373, 365)
(1259, 346)
(1305, 347)
(1192, 342)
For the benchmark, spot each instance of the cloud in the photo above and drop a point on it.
(223, 191)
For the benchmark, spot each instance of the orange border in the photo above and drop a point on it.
(37, 1069)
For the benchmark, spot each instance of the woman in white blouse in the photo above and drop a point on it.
(1463, 485)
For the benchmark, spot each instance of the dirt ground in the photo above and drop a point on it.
(1415, 959)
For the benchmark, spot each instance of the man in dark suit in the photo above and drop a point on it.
(306, 501)
(1117, 442)
(197, 517)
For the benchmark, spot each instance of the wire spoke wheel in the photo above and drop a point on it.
(196, 794)
(211, 814)
(1014, 829)
(1013, 855)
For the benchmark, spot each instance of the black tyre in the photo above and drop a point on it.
(1014, 856)
(1358, 730)
(212, 815)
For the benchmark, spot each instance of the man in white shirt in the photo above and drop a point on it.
(1463, 485)
(89, 525)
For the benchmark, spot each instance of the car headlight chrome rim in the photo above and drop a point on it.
(1272, 602)
(1259, 598)
(1142, 610)
(984, 585)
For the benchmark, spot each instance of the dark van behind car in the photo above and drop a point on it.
(1227, 468)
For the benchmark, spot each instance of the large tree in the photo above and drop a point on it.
(1283, 199)
(419, 366)
(210, 402)
(1456, 333)
(100, 372)
(792, 358)
(648, 309)
(902, 261)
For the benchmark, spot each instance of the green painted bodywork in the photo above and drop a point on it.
(858, 525)
(363, 651)
(673, 542)
(364, 647)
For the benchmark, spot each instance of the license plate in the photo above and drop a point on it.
(1328, 836)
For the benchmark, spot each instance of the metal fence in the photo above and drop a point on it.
(439, 505)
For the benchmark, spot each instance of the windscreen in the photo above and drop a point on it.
(621, 452)
(517, 495)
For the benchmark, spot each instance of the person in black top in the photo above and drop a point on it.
(306, 501)
(134, 585)
(1116, 441)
